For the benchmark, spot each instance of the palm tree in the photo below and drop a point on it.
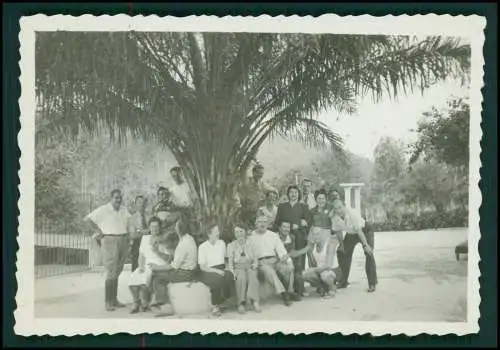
(214, 98)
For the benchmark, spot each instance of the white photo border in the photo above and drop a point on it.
(26, 324)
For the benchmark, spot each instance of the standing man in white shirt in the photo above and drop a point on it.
(110, 221)
(348, 221)
(181, 193)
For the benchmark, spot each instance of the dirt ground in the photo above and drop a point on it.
(419, 280)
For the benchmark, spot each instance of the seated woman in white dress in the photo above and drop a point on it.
(152, 251)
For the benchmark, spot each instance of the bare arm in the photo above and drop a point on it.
(340, 237)
(142, 262)
(299, 252)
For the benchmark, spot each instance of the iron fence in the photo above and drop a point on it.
(59, 250)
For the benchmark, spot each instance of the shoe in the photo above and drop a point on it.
(256, 306)
(371, 289)
(295, 297)
(118, 305)
(136, 309)
(329, 294)
(145, 308)
(242, 309)
(216, 311)
(286, 299)
(164, 310)
(110, 307)
(342, 285)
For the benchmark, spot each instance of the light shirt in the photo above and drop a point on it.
(320, 256)
(266, 244)
(309, 201)
(352, 223)
(238, 255)
(269, 214)
(146, 249)
(109, 220)
(185, 255)
(135, 222)
(212, 254)
(181, 194)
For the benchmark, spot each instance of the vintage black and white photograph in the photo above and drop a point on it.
(258, 174)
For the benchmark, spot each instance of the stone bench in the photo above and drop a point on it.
(189, 298)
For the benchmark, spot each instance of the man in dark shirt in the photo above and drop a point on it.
(289, 243)
(297, 214)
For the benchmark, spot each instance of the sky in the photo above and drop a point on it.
(363, 130)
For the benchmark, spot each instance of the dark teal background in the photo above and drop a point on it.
(488, 212)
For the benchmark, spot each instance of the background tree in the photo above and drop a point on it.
(214, 98)
(444, 135)
(444, 138)
(388, 170)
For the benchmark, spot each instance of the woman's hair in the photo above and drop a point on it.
(154, 219)
(268, 193)
(211, 223)
(292, 187)
(161, 188)
(242, 225)
(319, 192)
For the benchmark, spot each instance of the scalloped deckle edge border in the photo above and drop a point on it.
(26, 324)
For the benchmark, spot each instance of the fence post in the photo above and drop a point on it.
(95, 257)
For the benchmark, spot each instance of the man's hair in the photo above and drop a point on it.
(319, 192)
(292, 187)
(176, 169)
(183, 226)
(286, 222)
(306, 180)
(139, 197)
(258, 167)
(154, 219)
(116, 191)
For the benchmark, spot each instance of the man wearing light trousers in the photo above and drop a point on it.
(110, 221)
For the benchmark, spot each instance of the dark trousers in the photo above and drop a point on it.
(299, 263)
(345, 257)
(221, 286)
(161, 279)
(134, 253)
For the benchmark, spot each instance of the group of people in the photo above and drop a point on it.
(283, 244)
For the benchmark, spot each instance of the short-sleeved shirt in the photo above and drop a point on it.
(321, 218)
(309, 200)
(266, 244)
(111, 221)
(181, 194)
(146, 249)
(288, 242)
(253, 193)
(269, 214)
(212, 254)
(238, 254)
(351, 223)
(186, 254)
